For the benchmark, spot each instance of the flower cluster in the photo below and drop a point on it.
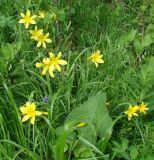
(48, 64)
(133, 110)
(37, 34)
(51, 64)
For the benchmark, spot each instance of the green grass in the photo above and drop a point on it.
(124, 33)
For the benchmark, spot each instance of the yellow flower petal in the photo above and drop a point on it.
(100, 61)
(62, 62)
(38, 113)
(27, 25)
(51, 69)
(32, 121)
(28, 104)
(39, 44)
(44, 45)
(45, 113)
(51, 55)
(28, 13)
(45, 70)
(47, 34)
(22, 15)
(21, 21)
(48, 40)
(38, 65)
(34, 16)
(96, 64)
(33, 106)
(59, 55)
(23, 110)
(33, 22)
(25, 118)
(58, 67)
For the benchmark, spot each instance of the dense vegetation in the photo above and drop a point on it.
(76, 80)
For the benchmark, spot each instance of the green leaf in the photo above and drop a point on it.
(102, 143)
(143, 8)
(82, 152)
(149, 36)
(7, 51)
(138, 43)
(124, 143)
(133, 152)
(152, 11)
(128, 37)
(147, 73)
(95, 114)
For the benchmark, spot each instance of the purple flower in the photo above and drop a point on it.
(45, 99)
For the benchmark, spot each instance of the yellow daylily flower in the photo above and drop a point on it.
(41, 14)
(36, 33)
(143, 108)
(96, 58)
(42, 39)
(51, 64)
(29, 112)
(131, 111)
(27, 19)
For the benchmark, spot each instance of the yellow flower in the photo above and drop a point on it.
(131, 111)
(36, 33)
(96, 58)
(42, 39)
(52, 63)
(27, 18)
(41, 14)
(142, 108)
(29, 111)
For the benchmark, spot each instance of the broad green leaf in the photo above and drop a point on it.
(95, 114)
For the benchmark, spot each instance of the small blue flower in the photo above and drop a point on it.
(45, 99)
